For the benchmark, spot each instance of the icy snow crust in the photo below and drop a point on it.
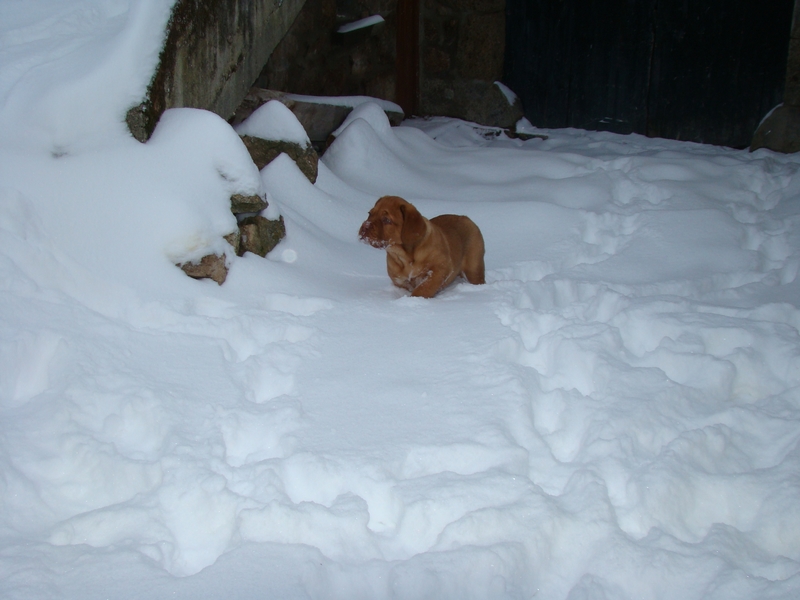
(614, 415)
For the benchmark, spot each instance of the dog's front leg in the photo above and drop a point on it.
(427, 284)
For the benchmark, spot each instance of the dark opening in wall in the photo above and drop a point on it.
(698, 71)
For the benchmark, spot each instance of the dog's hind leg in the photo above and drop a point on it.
(474, 269)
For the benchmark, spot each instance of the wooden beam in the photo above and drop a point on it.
(407, 65)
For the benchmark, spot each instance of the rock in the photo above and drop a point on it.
(210, 266)
(255, 98)
(247, 204)
(477, 101)
(235, 239)
(257, 234)
(516, 135)
(260, 235)
(264, 152)
(319, 119)
(779, 131)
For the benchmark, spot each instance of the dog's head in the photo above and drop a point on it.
(391, 222)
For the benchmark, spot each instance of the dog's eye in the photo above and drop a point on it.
(386, 221)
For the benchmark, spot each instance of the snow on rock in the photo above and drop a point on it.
(274, 121)
(614, 414)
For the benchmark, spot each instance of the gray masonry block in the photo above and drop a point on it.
(213, 52)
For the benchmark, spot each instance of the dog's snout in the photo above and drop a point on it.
(372, 234)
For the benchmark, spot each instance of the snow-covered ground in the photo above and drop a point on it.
(615, 415)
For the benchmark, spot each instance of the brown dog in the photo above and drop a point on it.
(424, 256)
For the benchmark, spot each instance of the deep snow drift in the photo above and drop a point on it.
(614, 415)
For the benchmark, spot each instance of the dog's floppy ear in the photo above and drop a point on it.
(413, 227)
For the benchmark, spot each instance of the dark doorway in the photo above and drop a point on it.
(698, 71)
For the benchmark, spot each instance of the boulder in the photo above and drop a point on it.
(320, 119)
(241, 204)
(260, 235)
(779, 131)
(255, 234)
(211, 266)
(255, 97)
(264, 152)
(477, 101)
(235, 239)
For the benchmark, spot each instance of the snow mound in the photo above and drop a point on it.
(274, 121)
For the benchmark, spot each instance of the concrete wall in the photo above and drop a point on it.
(459, 54)
(462, 48)
(314, 59)
(213, 52)
(216, 50)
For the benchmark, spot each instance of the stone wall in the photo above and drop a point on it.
(212, 54)
(462, 52)
(314, 59)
